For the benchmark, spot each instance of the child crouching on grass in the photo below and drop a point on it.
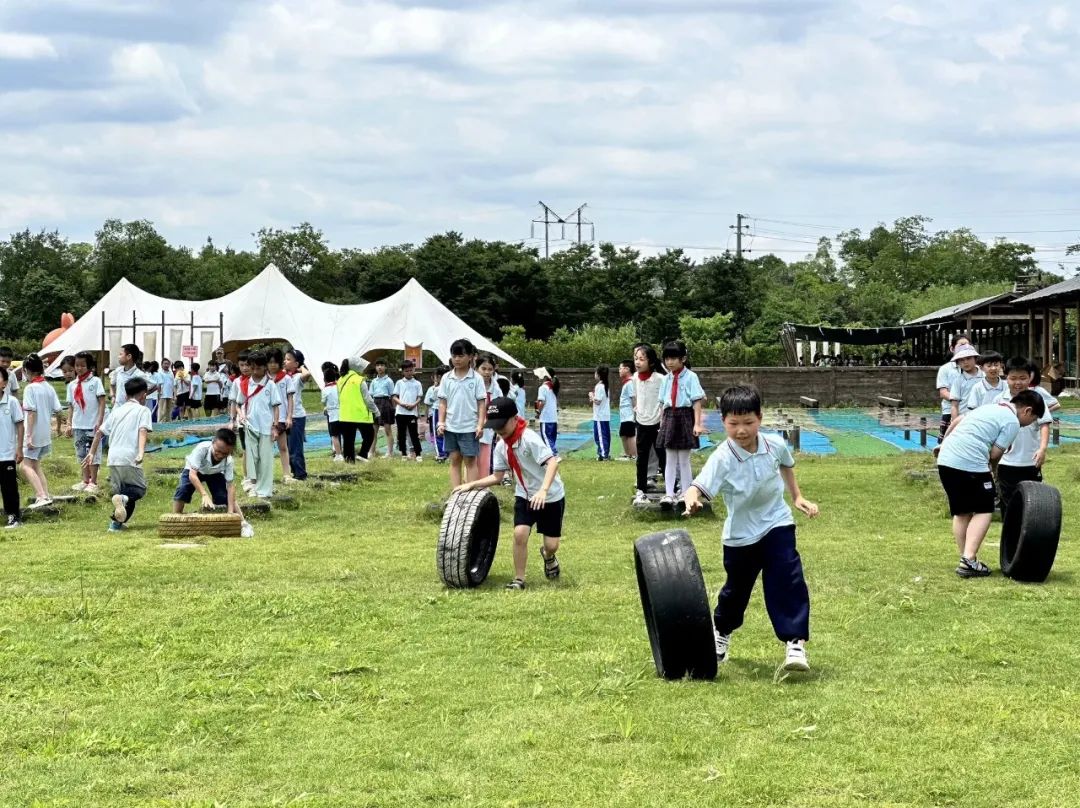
(210, 470)
(751, 471)
(539, 496)
(126, 427)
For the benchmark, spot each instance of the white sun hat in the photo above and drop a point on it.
(963, 352)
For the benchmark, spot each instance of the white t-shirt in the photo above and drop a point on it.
(167, 384)
(1022, 451)
(647, 406)
(196, 388)
(983, 393)
(532, 455)
(408, 391)
(11, 415)
(601, 408)
(298, 396)
(119, 377)
(202, 460)
(967, 447)
(331, 402)
(549, 404)
(752, 488)
(946, 375)
(285, 388)
(258, 404)
(122, 427)
(183, 384)
(212, 380)
(40, 398)
(85, 417)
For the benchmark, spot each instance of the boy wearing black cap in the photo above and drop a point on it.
(539, 496)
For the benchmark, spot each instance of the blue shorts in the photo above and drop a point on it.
(214, 483)
(466, 443)
(37, 453)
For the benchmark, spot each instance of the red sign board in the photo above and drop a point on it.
(189, 351)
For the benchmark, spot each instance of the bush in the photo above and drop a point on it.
(21, 347)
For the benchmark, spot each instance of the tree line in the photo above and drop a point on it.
(878, 278)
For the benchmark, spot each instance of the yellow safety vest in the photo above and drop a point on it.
(353, 408)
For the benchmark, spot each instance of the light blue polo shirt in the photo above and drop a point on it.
(983, 393)
(462, 396)
(549, 405)
(689, 389)
(11, 415)
(946, 375)
(962, 385)
(381, 387)
(751, 486)
(1022, 451)
(967, 447)
(626, 402)
(601, 408)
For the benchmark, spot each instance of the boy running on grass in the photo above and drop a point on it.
(210, 470)
(126, 428)
(539, 496)
(969, 449)
(751, 471)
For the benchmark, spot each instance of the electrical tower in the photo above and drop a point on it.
(740, 229)
(575, 219)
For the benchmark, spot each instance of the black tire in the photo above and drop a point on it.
(468, 537)
(676, 605)
(1030, 533)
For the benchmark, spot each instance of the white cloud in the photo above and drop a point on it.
(26, 46)
(1005, 44)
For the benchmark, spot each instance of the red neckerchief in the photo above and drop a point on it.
(674, 387)
(245, 382)
(80, 399)
(511, 442)
(232, 377)
(645, 375)
(332, 384)
(281, 374)
(37, 379)
(549, 385)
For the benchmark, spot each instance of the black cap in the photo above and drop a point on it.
(499, 411)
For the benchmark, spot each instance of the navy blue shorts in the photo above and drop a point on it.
(214, 483)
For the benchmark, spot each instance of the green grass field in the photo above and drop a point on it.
(322, 663)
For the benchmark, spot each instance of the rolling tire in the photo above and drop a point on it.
(177, 525)
(1030, 533)
(468, 537)
(676, 605)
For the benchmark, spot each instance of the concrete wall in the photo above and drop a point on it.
(833, 387)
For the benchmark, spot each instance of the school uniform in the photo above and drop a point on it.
(983, 393)
(122, 427)
(212, 399)
(195, 397)
(601, 415)
(946, 377)
(627, 424)
(1018, 464)
(431, 401)
(234, 415)
(120, 377)
(408, 391)
(647, 409)
(382, 390)
(152, 396)
(183, 392)
(332, 408)
(487, 437)
(758, 536)
(39, 398)
(257, 400)
(519, 395)
(549, 415)
(462, 395)
(215, 476)
(532, 454)
(964, 458)
(83, 397)
(297, 434)
(678, 392)
(962, 385)
(167, 392)
(11, 415)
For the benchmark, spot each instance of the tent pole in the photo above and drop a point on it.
(161, 353)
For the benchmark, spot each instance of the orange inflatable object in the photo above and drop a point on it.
(66, 321)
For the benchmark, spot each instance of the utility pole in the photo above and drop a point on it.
(738, 228)
(551, 217)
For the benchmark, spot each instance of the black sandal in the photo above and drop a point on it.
(517, 583)
(551, 564)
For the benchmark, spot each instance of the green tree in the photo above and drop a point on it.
(41, 277)
(136, 251)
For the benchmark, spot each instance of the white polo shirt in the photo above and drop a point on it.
(298, 410)
(647, 399)
(40, 397)
(601, 408)
(1022, 451)
(258, 404)
(11, 415)
(201, 460)
(549, 404)
(751, 486)
(626, 402)
(408, 391)
(119, 377)
(462, 395)
(122, 427)
(983, 393)
(967, 447)
(330, 402)
(946, 375)
(85, 417)
(532, 455)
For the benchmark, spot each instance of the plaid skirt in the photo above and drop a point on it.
(677, 429)
(386, 409)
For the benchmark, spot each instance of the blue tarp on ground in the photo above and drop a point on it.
(867, 424)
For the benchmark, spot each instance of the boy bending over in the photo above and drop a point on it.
(210, 470)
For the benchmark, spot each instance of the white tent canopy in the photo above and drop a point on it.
(266, 308)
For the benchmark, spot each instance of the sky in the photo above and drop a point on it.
(385, 122)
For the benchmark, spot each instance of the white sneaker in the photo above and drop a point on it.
(91, 488)
(419, 459)
(40, 502)
(722, 642)
(667, 502)
(796, 660)
(288, 479)
(248, 486)
(119, 502)
(79, 486)
(339, 458)
(641, 500)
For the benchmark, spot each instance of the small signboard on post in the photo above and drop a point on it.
(189, 351)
